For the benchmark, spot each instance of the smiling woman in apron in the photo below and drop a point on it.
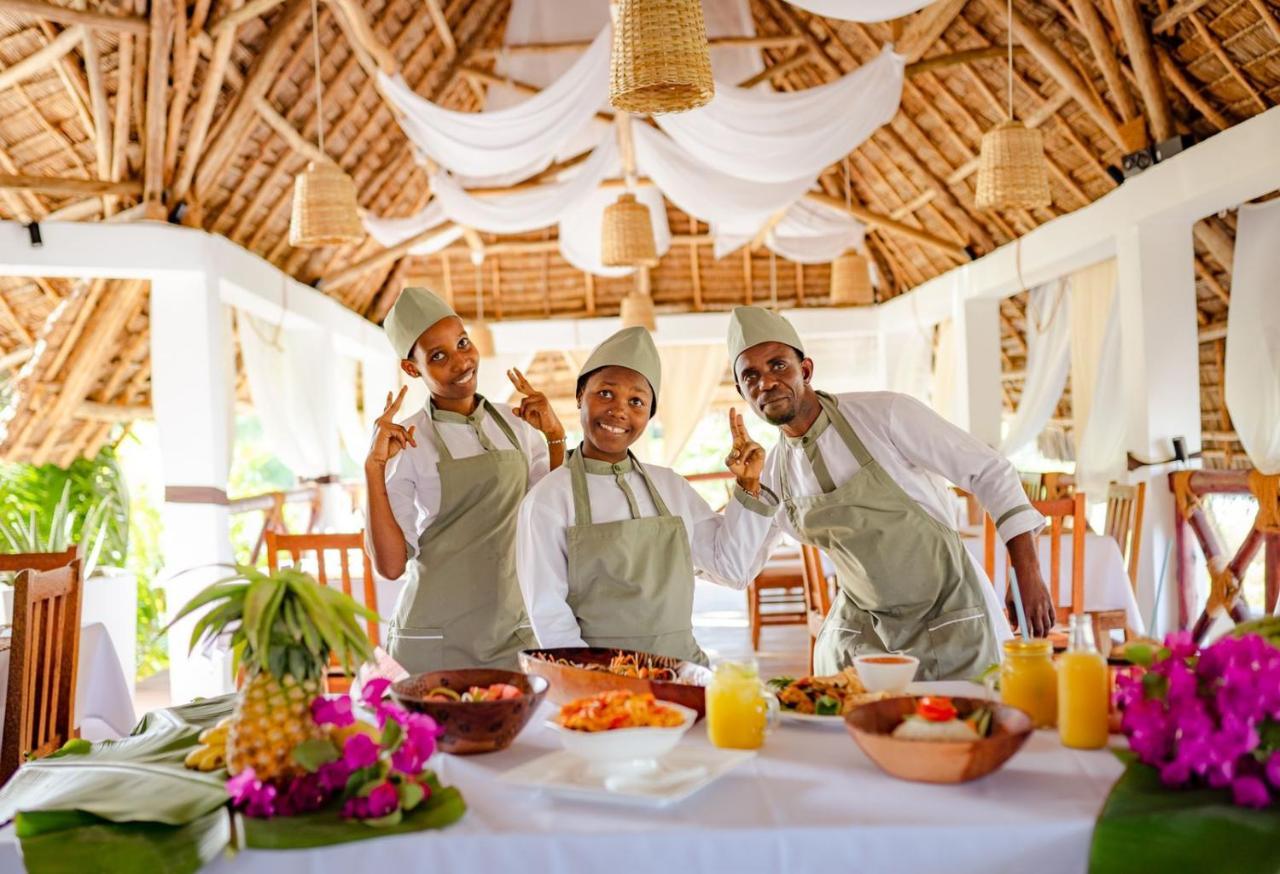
(445, 487)
(860, 477)
(607, 546)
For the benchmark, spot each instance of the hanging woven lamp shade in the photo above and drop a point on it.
(661, 61)
(627, 234)
(851, 280)
(324, 208)
(637, 311)
(481, 337)
(1012, 173)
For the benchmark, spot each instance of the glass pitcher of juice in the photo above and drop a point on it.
(1028, 681)
(1082, 689)
(740, 710)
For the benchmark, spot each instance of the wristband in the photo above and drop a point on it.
(554, 442)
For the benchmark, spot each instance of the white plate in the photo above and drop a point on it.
(679, 774)
(834, 721)
(949, 688)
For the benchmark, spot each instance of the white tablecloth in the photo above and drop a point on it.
(811, 801)
(104, 708)
(1106, 581)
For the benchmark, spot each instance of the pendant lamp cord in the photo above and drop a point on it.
(315, 44)
(1009, 28)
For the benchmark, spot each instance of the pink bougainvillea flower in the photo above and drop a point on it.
(1273, 769)
(384, 799)
(242, 785)
(248, 793)
(359, 751)
(1250, 792)
(356, 808)
(333, 776)
(332, 711)
(373, 691)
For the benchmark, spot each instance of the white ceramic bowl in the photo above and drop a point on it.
(884, 676)
(623, 750)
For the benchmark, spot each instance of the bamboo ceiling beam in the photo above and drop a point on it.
(278, 123)
(63, 187)
(800, 58)
(967, 56)
(186, 56)
(926, 27)
(98, 102)
(157, 100)
(202, 116)
(363, 36)
(1104, 53)
(16, 358)
(1167, 19)
(884, 222)
(18, 328)
(441, 24)
(380, 259)
(1136, 39)
(1219, 243)
(124, 99)
(134, 24)
(1173, 73)
(1203, 271)
(1268, 17)
(1044, 51)
(758, 42)
(763, 234)
(488, 78)
(233, 19)
(42, 59)
(1215, 46)
(72, 76)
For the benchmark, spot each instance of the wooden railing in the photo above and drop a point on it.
(272, 504)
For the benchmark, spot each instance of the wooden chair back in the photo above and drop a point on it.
(972, 509)
(298, 545)
(40, 700)
(36, 561)
(817, 596)
(1032, 484)
(1058, 485)
(1125, 506)
(1059, 512)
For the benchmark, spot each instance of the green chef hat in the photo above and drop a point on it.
(751, 326)
(415, 310)
(632, 348)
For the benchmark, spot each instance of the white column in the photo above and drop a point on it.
(978, 406)
(1160, 356)
(192, 379)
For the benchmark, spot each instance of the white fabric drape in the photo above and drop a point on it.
(1092, 290)
(861, 10)
(1100, 452)
(1048, 360)
(944, 371)
(772, 136)
(351, 425)
(581, 228)
(521, 139)
(908, 359)
(845, 364)
(392, 232)
(1253, 335)
(699, 370)
(809, 233)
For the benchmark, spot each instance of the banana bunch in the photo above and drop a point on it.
(1267, 626)
(211, 752)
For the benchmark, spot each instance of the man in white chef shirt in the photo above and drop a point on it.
(857, 476)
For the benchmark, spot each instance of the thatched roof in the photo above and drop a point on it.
(210, 128)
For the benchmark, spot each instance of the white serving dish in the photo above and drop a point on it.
(835, 720)
(886, 677)
(678, 775)
(624, 750)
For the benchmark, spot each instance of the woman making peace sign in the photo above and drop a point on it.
(444, 488)
(608, 548)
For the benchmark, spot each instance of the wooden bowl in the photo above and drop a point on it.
(872, 726)
(569, 683)
(472, 727)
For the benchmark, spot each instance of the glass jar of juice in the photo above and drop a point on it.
(740, 710)
(1082, 689)
(1028, 680)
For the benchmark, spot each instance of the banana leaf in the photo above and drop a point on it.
(73, 843)
(203, 713)
(1148, 827)
(326, 827)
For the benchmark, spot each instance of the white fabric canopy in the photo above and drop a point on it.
(1253, 335)
(392, 232)
(1100, 451)
(772, 136)
(1048, 360)
(861, 10)
(809, 233)
(517, 141)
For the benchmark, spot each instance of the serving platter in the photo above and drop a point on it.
(569, 682)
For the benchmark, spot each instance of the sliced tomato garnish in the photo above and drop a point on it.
(936, 709)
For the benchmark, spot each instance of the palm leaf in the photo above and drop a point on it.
(225, 588)
(70, 844)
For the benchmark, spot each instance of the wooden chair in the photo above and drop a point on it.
(972, 509)
(780, 587)
(36, 561)
(1058, 512)
(40, 700)
(1032, 484)
(1058, 485)
(817, 595)
(298, 545)
(1125, 506)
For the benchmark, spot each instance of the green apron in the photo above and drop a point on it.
(630, 582)
(905, 583)
(462, 606)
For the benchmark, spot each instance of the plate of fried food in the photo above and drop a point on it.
(822, 700)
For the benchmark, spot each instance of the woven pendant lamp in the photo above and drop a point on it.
(325, 212)
(851, 280)
(1012, 171)
(661, 61)
(637, 311)
(627, 234)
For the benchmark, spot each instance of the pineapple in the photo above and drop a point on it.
(284, 629)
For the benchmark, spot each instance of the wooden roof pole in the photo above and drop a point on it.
(202, 117)
(1188, 90)
(886, 223)
(1136, 39)
(98, 102)
(134, 24)
(924, 28)
(1104, 53)
(45, 57)
(1166, 20)
(157, 101)
(441, 24)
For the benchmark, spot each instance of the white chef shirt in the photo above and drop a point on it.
(920, 450)
(413, 478)
(722, 546)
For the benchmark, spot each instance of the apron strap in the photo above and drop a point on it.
(844, 429)
(475, 420)
(653, 491)
(582, 497)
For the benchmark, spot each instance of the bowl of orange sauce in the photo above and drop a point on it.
(886, 672)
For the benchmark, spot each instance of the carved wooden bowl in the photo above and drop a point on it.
(872, 727)
(472, 727)
(569, 683)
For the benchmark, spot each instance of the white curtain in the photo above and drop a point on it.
(908, 362)
(392, 232)
(861, 10)
(944, 371)
(1100, 452)
(1092, 290)
(842, 364)
(581, 228)
(1253, 335)
(1048, 360)
(773, 136)
(694, 373)
(809, 233)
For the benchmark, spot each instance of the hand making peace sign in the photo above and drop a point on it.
(388, 437)
(534, 407)
(746, 458)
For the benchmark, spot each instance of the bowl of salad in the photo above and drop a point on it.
(480, 710)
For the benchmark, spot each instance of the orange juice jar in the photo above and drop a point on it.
(1082, 690)
(740, 710)
(1028, 680)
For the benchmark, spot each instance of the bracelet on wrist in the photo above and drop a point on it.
(558, 440)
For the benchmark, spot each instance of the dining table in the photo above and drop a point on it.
(808, 801)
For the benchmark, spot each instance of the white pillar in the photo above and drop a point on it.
(1160, 357)
(192, 379)
(978, 406)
